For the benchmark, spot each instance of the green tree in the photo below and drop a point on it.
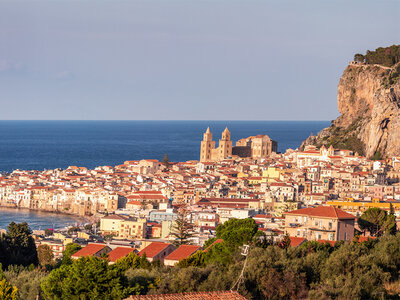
(70, 249)
(132, 261)
(48, 231)
(45, 255)
(182, 229)
(359, 57)
(237, 232)
(26, 280)
(86, 278)
(377, 221)
(7, 290)
(19, 246)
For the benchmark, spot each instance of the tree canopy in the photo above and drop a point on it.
(17, 246)
(377, 221)
(386, 56)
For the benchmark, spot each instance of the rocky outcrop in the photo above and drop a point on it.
(369, 104)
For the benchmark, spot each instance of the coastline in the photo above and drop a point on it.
(79, 219)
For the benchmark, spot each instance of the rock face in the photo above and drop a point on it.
(369, 103)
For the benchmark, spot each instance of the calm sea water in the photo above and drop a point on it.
(42, 145)
(36, 219)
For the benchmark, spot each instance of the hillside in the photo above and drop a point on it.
(369, 104)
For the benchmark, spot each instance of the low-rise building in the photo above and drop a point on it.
(320, 223)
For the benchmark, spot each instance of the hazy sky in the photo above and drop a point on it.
(219, 60)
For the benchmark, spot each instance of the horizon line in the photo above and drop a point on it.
(163, 120)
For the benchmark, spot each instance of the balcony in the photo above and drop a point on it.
(325, 229)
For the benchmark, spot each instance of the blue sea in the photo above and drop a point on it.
(36, 219)
(38, 145)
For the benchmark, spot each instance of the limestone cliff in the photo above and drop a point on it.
(369, 104)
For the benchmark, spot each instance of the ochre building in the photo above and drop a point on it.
(256, 147)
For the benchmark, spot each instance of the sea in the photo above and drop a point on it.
(40, 145)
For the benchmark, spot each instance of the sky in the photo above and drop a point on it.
(183, 60)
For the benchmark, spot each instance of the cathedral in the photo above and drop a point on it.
(257, 147)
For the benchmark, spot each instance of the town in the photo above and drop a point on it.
(314, 194)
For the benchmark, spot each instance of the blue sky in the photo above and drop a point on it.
(203, 60)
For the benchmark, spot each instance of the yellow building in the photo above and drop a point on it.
(260, 146)
(208, 152)
(132, 229)
(352, 205)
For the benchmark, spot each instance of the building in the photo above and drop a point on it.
(320, 223)
(157, 251)
(96, 250)
(221, 295)
(184, 251)
(256, 147)
(132, 228)
(119, 253)
(208, 152)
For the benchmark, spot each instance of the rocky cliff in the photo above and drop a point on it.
(369, 104)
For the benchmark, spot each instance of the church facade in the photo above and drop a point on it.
(257, 147)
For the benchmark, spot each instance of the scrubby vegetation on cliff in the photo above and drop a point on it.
(388, 56)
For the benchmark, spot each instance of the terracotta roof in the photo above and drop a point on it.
(366, 238)
(332, 243)
(228, 295)
(89, 250)
(118, 253)
(153, 249)
(297, 241)
(323, 211)
(215, 242)
(184, 251)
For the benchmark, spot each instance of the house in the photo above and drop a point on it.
(297, 241)
(320, 223)
(118, 253)
(221, 295)
(96, 250)
(157, 251)
(184, 251)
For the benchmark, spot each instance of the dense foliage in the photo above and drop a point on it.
(27, 280)
(377, 221)
(17, 246)
(388, 56)
(352, 270)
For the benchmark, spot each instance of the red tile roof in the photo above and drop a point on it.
(89, 250)
(118, 253)
(153, 249)
(322, 211)
(215, 242)
(297, 241)
(184, 251)
(366, 238)
(228, 295)
(332, 243)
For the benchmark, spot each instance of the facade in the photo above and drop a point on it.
(208, 152)
(320, 223)
(256, 147)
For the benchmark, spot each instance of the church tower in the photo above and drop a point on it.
(225, 145)
(207, 145)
